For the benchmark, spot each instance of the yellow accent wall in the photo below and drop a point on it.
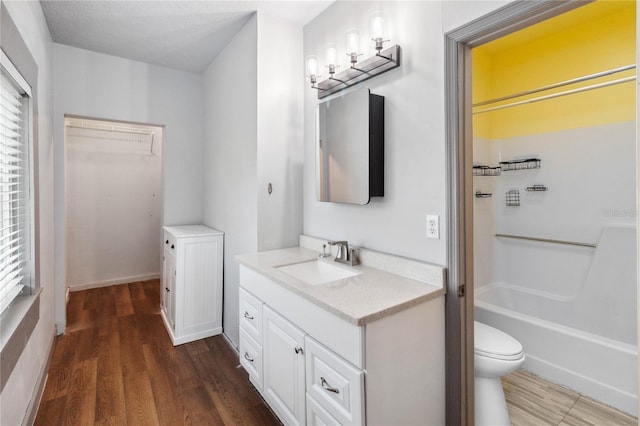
(590, 39)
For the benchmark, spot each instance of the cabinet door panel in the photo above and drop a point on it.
(283, 368)
(334, 383)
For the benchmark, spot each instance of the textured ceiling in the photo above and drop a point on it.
(185, 35)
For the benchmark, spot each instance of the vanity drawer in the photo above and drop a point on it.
(334, 384)
(251, 315)
(251, 358)
(318, 416)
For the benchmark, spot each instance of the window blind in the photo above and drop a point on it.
(14, 189)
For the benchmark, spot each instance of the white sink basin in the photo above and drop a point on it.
(315, 272)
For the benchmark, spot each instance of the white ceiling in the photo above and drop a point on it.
(179, 34)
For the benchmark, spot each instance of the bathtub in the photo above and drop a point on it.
(586, 341)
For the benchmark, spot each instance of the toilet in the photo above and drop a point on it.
(495, 354)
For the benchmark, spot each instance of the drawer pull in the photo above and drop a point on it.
(166, 242)
(166, 289)
(326, 386)
(173, 246)
(247, 316)
(299, 350)
(247, 357)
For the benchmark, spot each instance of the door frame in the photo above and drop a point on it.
(459, 150)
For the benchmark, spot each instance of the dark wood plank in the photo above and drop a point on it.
(116, 366)
(81, 400)
(123, 301)
(141, 406)
(51, 412)
(131, 355)
(170, 408)
(110, 402)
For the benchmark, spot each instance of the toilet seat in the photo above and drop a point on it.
(492, 343)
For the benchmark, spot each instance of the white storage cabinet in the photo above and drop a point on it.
(191, 287)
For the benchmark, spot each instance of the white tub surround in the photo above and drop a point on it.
(578, 324)
(329, 352)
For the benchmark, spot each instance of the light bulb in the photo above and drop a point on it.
(312, 65)
(377, 27)
(353, 42)
(332, 55)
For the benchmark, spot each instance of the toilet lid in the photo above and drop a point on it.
(493, 343)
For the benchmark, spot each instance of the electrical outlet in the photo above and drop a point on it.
(433, 226)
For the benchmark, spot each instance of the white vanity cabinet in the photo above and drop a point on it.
(318, 368)
(191, 287)
(284, 368)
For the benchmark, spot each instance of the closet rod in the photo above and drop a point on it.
(559, 94)
(560, 84)
(114, 129)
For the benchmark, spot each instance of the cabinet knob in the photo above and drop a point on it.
(166, 242)
(247, 357)
(247, 316)
(326, 386)
(172, 246)
(299, 350)
(166, 289)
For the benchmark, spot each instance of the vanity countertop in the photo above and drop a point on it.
(360, 299)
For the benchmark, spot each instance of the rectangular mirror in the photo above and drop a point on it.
(350, 148)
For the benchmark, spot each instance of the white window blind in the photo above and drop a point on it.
(14, 189)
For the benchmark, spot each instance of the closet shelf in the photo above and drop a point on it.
(527, 163)
(486, 171)
(536, 188)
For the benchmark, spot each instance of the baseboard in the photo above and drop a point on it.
(586, 386)
(107, 283)
(230, 343)
(36, 397)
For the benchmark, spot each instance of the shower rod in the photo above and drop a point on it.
(547, 240)
(556, 85)
(559, 94)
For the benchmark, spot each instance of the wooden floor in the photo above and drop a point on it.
(116, 365)
(533, 401)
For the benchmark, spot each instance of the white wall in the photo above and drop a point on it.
(114, 196)
(253, 137)
(230, 158)
(414, 132)
(103, 86)
(17, 393)
(280, 149)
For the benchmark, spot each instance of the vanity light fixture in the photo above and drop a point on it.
(384, 60)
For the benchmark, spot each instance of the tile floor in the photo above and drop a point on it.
(533, 401)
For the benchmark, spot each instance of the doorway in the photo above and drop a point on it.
(113, 187)
(459, 115)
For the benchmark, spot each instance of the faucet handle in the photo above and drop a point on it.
(354, 256)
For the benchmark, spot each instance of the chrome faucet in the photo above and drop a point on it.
(345, 254)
